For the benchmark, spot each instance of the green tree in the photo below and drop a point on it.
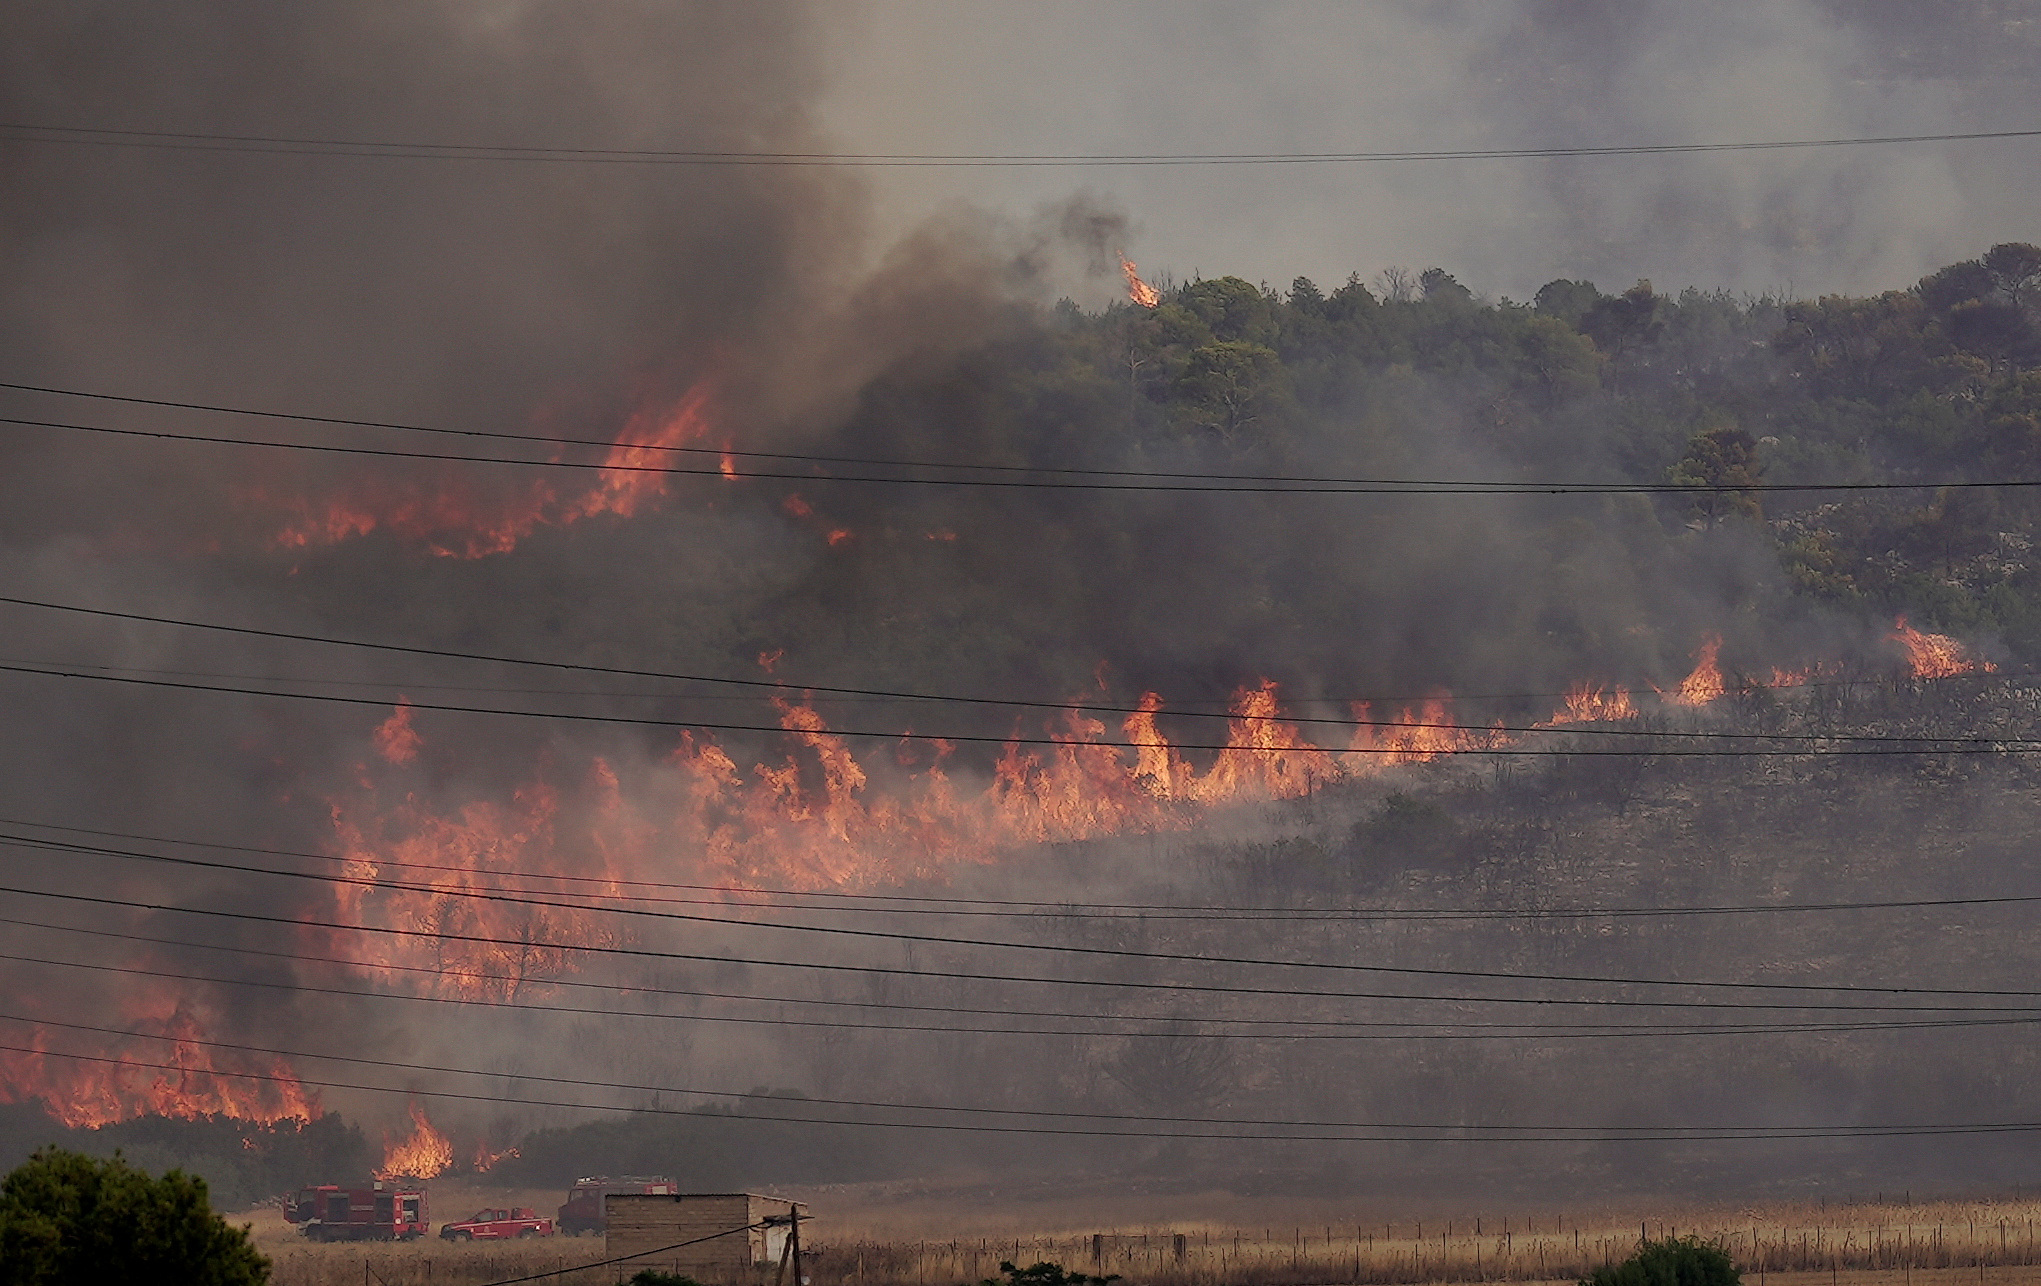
(67, 1219)
(2015, 269)
(1675, 1261)
(1306, 297)
(1440, 286)
(1231, 308)
(1720, 459)
(1229, 384)
(1557, 360)
(1619, 324)
(1566, 300)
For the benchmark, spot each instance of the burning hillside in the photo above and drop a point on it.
(172, 1073)
(415, 550)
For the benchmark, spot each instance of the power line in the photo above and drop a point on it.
(781, 687)
(25, 131)
(1175, 1026)
(1803, 744)
(1255, 486)
(604, 1263)
(881, 1104)
(1751, 1133)
(954, 906)
(604, 949)
(894, 935)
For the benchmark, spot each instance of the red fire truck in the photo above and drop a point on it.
(584, 1209)
(490, 1225)
(378, 1213)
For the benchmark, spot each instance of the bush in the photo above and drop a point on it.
(1044, 1274)
(1681, 1261)
(67, 1219)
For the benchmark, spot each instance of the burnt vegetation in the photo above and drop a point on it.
(1504, 599)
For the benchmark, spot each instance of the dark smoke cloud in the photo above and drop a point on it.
(564, 298)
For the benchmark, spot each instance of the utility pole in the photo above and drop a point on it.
(791, 1252)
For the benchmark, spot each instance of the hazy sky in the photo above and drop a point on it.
(1049, 76)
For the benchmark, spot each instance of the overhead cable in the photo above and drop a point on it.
(1825, 745)
(1172, 1026)
(924, 904)
(1753, 1133)
(420, 149)
(650, 953)
(780, 687)
(1300, 486)
(992, 944)
(896, 1105)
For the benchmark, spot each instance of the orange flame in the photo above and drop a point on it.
(193, 1083)
(816, 815)
(819, 816)
(1593, 703)
(469, 851)
(1936, 656)
(1705, 683)
(396, 740)
(456, 518)
(486, 1159)
(423, 1154)
(1138, 290)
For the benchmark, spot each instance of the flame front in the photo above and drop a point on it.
(456, 518)
(422, 1154)
(169, 1073)
(1593, 703)
(1936, 656)
(1138, 290)
(1705, 683)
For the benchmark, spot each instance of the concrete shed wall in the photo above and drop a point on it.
(642, 1225)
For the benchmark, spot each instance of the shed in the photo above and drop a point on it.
(715, 1236)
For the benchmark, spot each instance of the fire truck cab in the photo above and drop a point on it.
(378, 1213)
(584, 1211)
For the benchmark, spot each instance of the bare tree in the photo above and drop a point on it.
(1396, 285)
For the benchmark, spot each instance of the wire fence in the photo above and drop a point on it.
(1853, 1245)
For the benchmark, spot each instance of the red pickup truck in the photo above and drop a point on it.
(492, 1225)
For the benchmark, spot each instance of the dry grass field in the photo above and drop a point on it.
(1990, 1243)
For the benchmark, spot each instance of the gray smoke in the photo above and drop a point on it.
(563, 298)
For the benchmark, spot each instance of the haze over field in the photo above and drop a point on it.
(883, 544)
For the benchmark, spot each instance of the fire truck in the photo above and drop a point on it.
(584, 1209)
(496, 1225)
(381, 1212)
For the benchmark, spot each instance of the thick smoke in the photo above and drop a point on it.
(1216, 78)
(568, 299)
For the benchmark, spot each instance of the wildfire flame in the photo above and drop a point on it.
(817, 814)
(456, 519)
(1592, 703)
(1138, 290)
(396, 740)
(486, 1159)
(423, 1154)
(193, 1083)
(1936, 656)
(1705, 683)
(470, 848)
